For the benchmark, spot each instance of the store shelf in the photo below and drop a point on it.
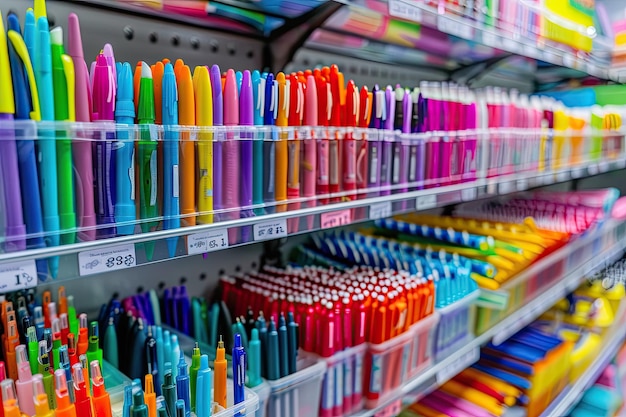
(442, 371)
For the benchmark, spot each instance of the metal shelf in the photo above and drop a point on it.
(440, 372)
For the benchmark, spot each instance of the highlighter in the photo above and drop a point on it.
(40, 398)
(82, 359)
(33, 345)
(94, 352)
(169, 393)
(203, 92)
(187, 117)
(65, 408)
(101, 400)
(182, 384)
(219, 383)
(24, 385)
(9, 399)
(150, 396)
(204, 385)
(193, 375)
(72, 317)
(82, 400)
(230, 156)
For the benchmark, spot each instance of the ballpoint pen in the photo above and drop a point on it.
(246, 134)
(171, 187)
(40, 398)
(44, 369)
(202, 89)
(82, 399)
(219, 383)
(24, 383)
(15, 228)
(125, 214)
(64, 88)
(309, 145)
(258, 99)
(204, 385)
(104, 94)
(193, 375)
(46, 145)
(150, 396)
(269, 144)
(239, 370)
(282, 147)
(147, 161)
(182, 384)
(187, 117)
(295, 116)
(100, 398)
(218, 120)
(229, 175)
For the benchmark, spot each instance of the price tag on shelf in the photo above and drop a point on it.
(522, 184)
(207, 241)
(603, 166)
(426, 202)
(18, 276)
(458, 365)
(380, 210)
(593, 169)
(107, 259)
(336, 218)
(391, 410)
(530, 50)
(510, 44)
(577, 172)
(271, 229)
(469, 194)
(620, 163)
(562, 176)
(490, 39)
(455, 27)
(506, 187)
(403, 10)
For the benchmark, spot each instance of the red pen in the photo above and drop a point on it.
(46, 299)
(65, 328)
(349, 151)
(295, 115)
(82, 399)
(72, 349)
(335, 148)
(309, 159)
(324, 103)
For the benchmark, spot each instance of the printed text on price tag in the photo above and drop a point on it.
(405, 11)
(18, 276)
(426, 202)
(107, 259)
(336, 218)
(458, 365)
(271, 229)
(207, 241)
(380, 210)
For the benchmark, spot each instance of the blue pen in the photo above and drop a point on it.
(258, 94)
(175, 353)
(47, 147)
(125, 213)
(27, 107)
(30, 32)
(128, 400)
(182, 384)
(158, 336)
(218, 142)
(239, 370)
(269, 146)
(239, 79)
(171, 205)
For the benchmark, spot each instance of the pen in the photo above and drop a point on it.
(94, 353)
(387, 146)
(229, 175)
(187, 117)
(272, 351)
(295, 116)
(110, 352)
(282, 149)
(64, 86)
(82, 359)
(169, 393)
(193, 375)
(202, 90)
(56, 344)
(309, 162)
(9, 399)
(12, 341)
(104, 94)
(44, 369)
(64, 408)
(72, 349)
(254, 364)
(150, 395)
(349, 162)
(362, 163)
(219, 383)
(125, 213)
(239, 370)
(283, 346)
(258, 99)
(148, 161)
(152, 365)
(160, 353)
(64, 364)
(83, 335)
(15, 228)
(292, 339)
(324, 104)
(203, 388)
(40, 398)
(180, 408)
(182, 384)
(46, 145)
(269, 143)
(246, 134)
(101, 399)
(218, 120)
(65, 329)
(33, 345)
(335, 149)
(171, 188)
(83, 402)
(24, 383)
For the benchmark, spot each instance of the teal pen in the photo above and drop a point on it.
(254, 360)
(110, 344)
(162, 412)
(204, 388)
(180, 409)
(258, 92)
(273, 352)
(167, 347)
(283, 346)
(169, 393)
(128, 400)
(139, 406)
(46, 145)
(198, 323)
(158, 336)
(292, 341)
(156, 309)
(174, 355)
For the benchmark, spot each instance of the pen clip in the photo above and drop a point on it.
(20, 48)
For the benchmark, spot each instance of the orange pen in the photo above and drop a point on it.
(61, 301)
(9, 399)
(219, 383)
(186, 117)
(335, 150)
(13, 340)
(149, 396)
(157, 76)
(83, 335)
(100, 397)
(65, 408)
(282, 153)
(46, 299)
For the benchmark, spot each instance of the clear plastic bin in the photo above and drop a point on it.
(263, 392)
(423, 343)
(342, 389)
(298, 395)
(386, 368)
(456, 326)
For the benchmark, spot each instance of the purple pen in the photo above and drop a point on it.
(432, 146)
(246, 118)
(388, 139)
(401, 152)
(218, 143)
(15, 228)
(183, 309)
(447, 108)
(375, 147)
(469, 160)
(417, 162)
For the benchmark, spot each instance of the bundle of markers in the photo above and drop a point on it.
(53, 362)
(167, 146)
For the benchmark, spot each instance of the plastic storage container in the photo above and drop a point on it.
(342, 388)
(263, 392)
(298, 394)
(423, 344)
(456, 326)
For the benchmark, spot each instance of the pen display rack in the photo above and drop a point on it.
(456, 326)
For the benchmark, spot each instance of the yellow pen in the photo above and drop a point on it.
(204, 117)
(474, 396)
(282, 151)
(560, 152)
(70, 76)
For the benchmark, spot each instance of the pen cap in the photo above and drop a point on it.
(78, 377)
(97, 380)
(180, 408)
(139, 406)
(182, 365)
(94, 336)
(23, 366)
(82, 318)
(9, 396)
(40, 397)
(146, 94)
(60, 384)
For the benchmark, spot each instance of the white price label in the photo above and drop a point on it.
(426, 202)
(469, 194)
(529, 50)
(603, 166)
(510, 45)
(107, 259)
(207, 241)
(458, 365)
(522, 184)
(454, 27)
(621, 163)
(490, 39)
(398, 8)
(577, 172)
(562, 176)
(380, 210)
(593, 169)
(18, 276)
(506, 187)
(271, 229)
(336, 218)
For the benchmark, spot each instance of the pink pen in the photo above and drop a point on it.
(463, 405)
(469, 158)
(447, 108)
(82, 147)
(230, 174)
(309, 162)
(432, 93)
(24, 384)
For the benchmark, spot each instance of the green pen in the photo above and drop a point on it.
(63, 82)
(110, 344)
(193, 374)
(72, 317)
(168, 389)
(148, 160)
(94, 353)
(43, 368)
(254, 360)
(33, 349)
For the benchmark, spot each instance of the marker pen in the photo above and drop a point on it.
(204, 386)
(195, 366)
(24, 384)
(94, 352)
(33, 345)
(182, 384)
(139, 408)
(83, 335)
(40, 398)
(82, 400)
(169, 393)
(44, 369)
(101, 400)
(64, 408)
(9, 399)
(219, 383)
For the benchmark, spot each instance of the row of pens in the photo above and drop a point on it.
(244, 151)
